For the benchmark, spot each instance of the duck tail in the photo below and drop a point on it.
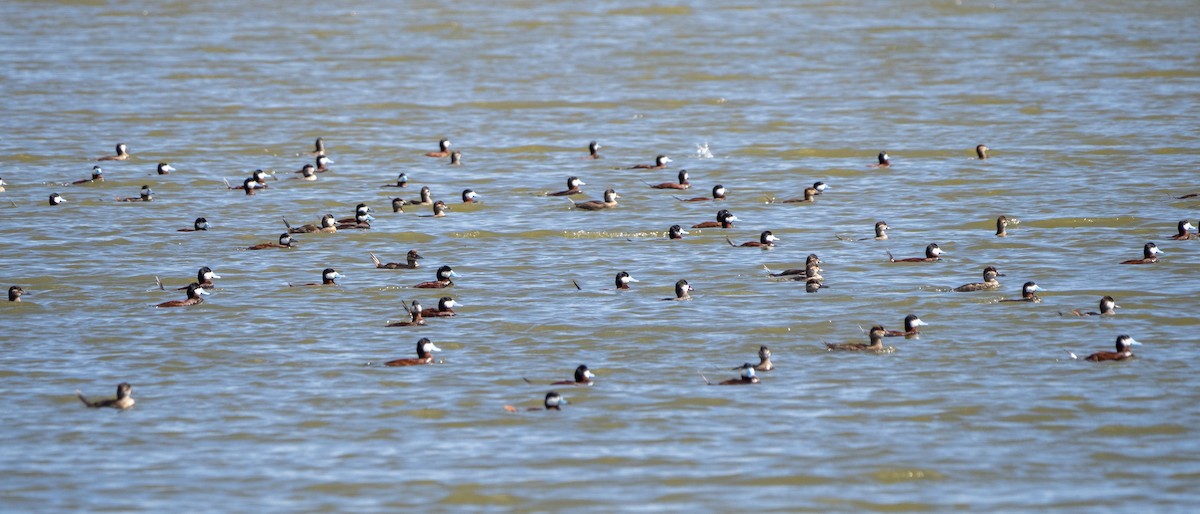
(1072, 354)
(845, 238)
(570, 201)
(85, 401)
(730, 241)
(160, 284)
(286, 224)
(679, 198)
(706, 382)
(227, 184)
(375, 260)
(527, 381)
(890, 257)
(576, 285)
(647, 183)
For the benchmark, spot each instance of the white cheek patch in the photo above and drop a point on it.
(918, 323)
(432, 348)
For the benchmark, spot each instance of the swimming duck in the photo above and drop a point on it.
(884, 161)
(718, 193)
(989, 282)
(194, 293)
(439, 210)
(122, 154)
(416, 318)
(876, 344)
(146, 196)
(323, 163)
(1002, 226)
(933, 253)
(553, 401)
(260, 178)
(725, 219)
(308, 173)
(97, 176)
(398, 204)
(468, 196)
(250, 186)
(204, 277)
(425, 349)
(14, 293)
(1028, 293)
(911, 328)
(318, 147)
(810, 194)
(200, 225)
(676, 232)
(765, 240)
(327, 278)
(444, 309)
(443, 279)
(164, 169)
(443, 150)
(812, 261)
(610, 201)
(660, 162)
(748, 377)
(682, 290)
(594, 150)
(1108, 307)
(411, 263)
(813, 284)
(328, 225)
(56, 199)
(682, 184)
(2, 184)
(981, 151)
(1150, 253)
(583, 377)
(1184, 227)
(362, 221)
(623, 279)
(124, 399)
(425, 199)
(359, 210)
(285, 241)
(455, 158)
(573, 184)
(401, 181)
(764, 359)
(881, 228)
(1124, 351)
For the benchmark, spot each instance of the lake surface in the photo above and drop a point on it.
(261, 398)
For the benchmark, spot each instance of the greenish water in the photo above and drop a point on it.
(261, 399)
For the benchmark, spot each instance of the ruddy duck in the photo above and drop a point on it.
(1124, 351)
(456, 158)
(398, 204)
(748, 377)
(1184, 227)
(876, 344)
(14, 293)
(323, 163)
(56, 199)
(439, 210)
(764, 359)
(443, 150)
(1108, 307)
(327, 278)
(553, 401)
(416, 318)
(660, 162)
(411, 263)
(810, 194)
(97, 176)
(443, 279)
(444, 309)
(2, 184)
(811, 262)
(881, 228)
(308, 173)
(122, 154)
(285, 241)
(468, 196)
(1028, 293)
(989, 282)
(260, 178)
(361, 209)
(718, 193)
(250, 186)
(583, 377)
(884, 161)
(981, 151)
(594, 150)
(813, 284)
(425, 349)
(146, 196)
(725, 219)
(610, 201)
(676, 232)
(200, 225)
(573, 184)
(401, 181)
(361, 221)
(623, 279)
(1002, 226)
(124, 399)
(318, 147)
(912, 329)
(194, 293)
(164, 168)
(328, 225)
(765, 240)
(682, 291)
(1150, 253)
(682, 184)
(933, 253)
(204, 278)
(426, 197)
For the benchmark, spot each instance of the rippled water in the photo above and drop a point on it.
(260, 398)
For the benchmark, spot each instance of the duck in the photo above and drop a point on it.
(401, 181)
(425, 199)
(260, 178)
(813, 284)
(765, 240)
(881, 228)
(682, 184)
(810, 193)
(443, 150)
(200, 225)
(682, 291)
(981, 152)
(1108, 307)
(444, 309)
(194, 293)
(2, 184)
(912, 329)
(1028, 293)
(398, 204)
(361, 222)
(989, 282)
(876, 344)
(122, 154)
(573, 184)
(308, 173)
(583, 377)
(124, 399)
(328, 275)
(764, 359)
(204, 277)
(318, 148)
(146, 196)
(468, 196)
(594, 150)
(425, 349)
(933, 253)
(97, 176)
(553, 401)
(56, 199)
(660, 162)
(725, 219)
(416, 318)
(812, 261)
(411, 262)
(1150, 253)
(323, 163)
(439, 210)
(455, 158)
(15, 293)
(676, 232)
(328, 225)
(1002, 226)
(747, 377)
(623, 279)
(1183, 234)
(250, 186)
(1124, 351)
(610, 201)
(443, 279)
(718, 193)
(359, 211)
(884, 161)
(285, 241)
(164, 168)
